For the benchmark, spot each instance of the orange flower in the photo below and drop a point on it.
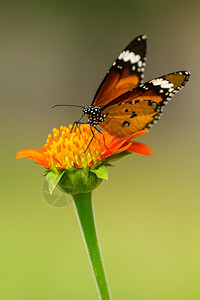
(68, 148)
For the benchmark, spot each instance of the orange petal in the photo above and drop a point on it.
(109, 139)
(118, 144)
(116, 151)
(138, 133)
(128, 138)
(35, 154)
(140, 148)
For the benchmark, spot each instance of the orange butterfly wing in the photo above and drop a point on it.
(126, 73)
(141, 107)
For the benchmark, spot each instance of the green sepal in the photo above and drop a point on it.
(53, 179)
(45, 173)
(100, 171)
(107, 164)
(116, 157)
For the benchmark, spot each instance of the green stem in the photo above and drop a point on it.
(84, 210)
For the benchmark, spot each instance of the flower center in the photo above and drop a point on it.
(68, 147)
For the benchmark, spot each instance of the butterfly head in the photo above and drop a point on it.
(94, 114)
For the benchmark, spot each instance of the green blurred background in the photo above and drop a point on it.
(148, 213)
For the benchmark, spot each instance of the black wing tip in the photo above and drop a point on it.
(141, 37)
(187, 75)
(138, 45)
(185, 72)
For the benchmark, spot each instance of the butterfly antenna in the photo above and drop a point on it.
(67, 105)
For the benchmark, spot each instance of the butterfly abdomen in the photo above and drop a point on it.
(94, 114)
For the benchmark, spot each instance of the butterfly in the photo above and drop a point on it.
(123, 104)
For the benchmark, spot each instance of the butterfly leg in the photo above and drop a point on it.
(91, 138)
(77, 122)
(103, 137)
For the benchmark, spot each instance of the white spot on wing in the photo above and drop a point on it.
(121, 55)
(135, 58)
(164, 84)
(127, 55)
(140, 63)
